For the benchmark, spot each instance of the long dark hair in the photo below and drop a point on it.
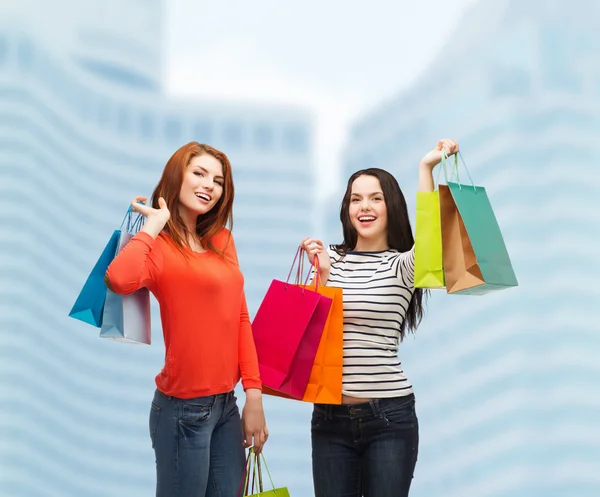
(399, 234)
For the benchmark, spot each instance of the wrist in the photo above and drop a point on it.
(253, 394)
(152, 227)
(424, 166)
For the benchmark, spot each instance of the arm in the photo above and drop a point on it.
(135, 266)
(432, 159)
(248, 360)
(253, 418)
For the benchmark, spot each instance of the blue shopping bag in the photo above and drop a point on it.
(126, 318)
(89, 306)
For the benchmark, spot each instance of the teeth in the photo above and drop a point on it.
(203, 196)
(366, 218)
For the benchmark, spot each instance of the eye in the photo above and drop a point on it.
(354, 200)
(198, 173)
(377, 199)
(219, 182)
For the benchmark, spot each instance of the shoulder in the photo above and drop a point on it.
(223, 239)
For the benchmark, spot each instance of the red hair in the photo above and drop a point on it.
(169, 187)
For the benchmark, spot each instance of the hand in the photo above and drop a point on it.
(156, 219)
(434, 157)
(315, 247)
(254, 425)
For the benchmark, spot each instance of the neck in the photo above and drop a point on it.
(189, 218)
(371, 245)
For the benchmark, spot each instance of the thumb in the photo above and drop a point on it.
(161, 203)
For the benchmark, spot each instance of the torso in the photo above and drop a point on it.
(377, 289)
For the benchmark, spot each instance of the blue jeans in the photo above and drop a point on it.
(198, 446)
(367, 449)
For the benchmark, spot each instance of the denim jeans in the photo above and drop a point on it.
(367, 449)
(198, 446)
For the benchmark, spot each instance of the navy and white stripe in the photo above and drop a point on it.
(377, 289)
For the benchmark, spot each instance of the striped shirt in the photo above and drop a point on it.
(377, 289)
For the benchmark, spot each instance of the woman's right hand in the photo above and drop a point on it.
(315, 247)
(156, 219)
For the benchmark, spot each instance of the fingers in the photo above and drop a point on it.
(247, 439)
(451, 146)
(260, 439)
(141, 208)
(162, 203)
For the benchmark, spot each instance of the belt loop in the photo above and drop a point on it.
(375, 406)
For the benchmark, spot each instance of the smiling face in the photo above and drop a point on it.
(202, 186)
(368, 212)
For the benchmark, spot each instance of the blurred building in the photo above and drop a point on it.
(84, 127)
(507, 385)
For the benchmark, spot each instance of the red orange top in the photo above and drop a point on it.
(206, 327)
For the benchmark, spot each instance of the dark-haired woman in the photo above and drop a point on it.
(368, 445)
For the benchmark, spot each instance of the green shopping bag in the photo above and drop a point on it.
(429, 264)
(429, 267)
(253, 475)
(475, 257)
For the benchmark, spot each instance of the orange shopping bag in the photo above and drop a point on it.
(325, 382)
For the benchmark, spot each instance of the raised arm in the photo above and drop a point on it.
(136, 266)
(432, 159)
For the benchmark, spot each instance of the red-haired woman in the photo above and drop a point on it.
(186, 257)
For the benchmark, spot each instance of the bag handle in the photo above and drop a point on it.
(132, 226)
(253, 464)
(443, 166)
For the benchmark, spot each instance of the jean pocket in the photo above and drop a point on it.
(155, 412)
(402, 415)
(195, 415)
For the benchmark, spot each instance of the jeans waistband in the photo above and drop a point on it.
(220, 397)
(372, 407)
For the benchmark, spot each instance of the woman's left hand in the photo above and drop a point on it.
(254, 424)
(434, 157)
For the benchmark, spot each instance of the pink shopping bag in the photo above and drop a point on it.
(287, 331)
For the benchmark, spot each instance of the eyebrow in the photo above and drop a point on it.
(370, 194)
(206, 171)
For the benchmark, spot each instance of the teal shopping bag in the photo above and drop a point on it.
(89, 305)
(476, 259)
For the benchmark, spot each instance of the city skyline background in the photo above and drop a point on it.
(93, 104)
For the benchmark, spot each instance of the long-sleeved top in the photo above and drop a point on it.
(205, 321)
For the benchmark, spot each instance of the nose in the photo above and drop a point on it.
(208, 183)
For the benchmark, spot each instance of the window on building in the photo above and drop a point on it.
(173, 130)
(232, 135)
(295, 140)
(123, 120)
(203, 132)
(263, 137)
(146, 126)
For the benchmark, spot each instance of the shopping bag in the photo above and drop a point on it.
(476, 260)
(89, 305)
(325, 381)
(126, 318)
(252, 478)
(429, 266)
(287, 330)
